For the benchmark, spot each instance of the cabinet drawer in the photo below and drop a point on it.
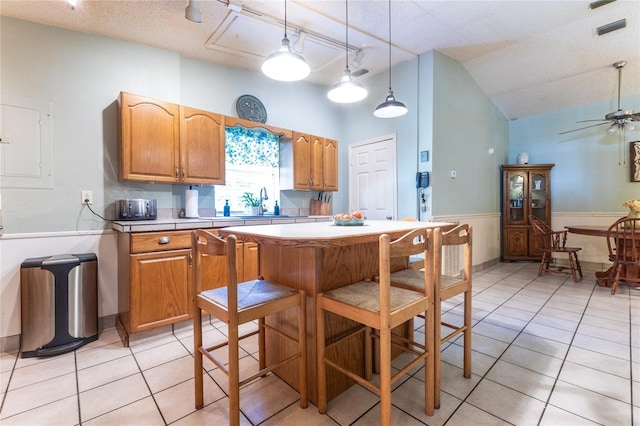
(156, 241)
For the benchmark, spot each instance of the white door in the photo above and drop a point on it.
(372, 177)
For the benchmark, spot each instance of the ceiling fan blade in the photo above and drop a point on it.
(582, 128)
(585, 121)
(634, 117)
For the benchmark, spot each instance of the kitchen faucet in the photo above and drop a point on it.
(263, 190)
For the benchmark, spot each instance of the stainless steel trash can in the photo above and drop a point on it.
(59, 303)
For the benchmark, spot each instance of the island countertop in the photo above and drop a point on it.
(173, 224)
(326, 234)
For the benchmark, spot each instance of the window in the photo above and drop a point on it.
(252, 160)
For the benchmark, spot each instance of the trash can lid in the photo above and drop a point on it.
(35, 262)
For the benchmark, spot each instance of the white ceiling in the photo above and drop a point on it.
(530, 57)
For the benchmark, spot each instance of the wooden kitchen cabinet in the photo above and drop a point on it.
(246, 266)
(526, 191)
(202, 154)
(309, 162)
(165, 142)
(154, 279)
(330, 164)
(155, 276)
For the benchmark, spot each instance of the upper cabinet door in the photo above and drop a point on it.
(516, 184)
(149, 139)
(301, 161)
(317, 169)
(539, 190)
(202, 154)
(330, 164)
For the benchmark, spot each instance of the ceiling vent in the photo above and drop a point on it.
(612, 26)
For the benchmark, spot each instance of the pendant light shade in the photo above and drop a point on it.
(346, 90)
(285, 64)
(391, 107)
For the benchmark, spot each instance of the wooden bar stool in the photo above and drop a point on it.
(236, 304)
(446, 288)
(378, 308)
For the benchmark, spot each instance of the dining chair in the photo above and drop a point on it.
(550, 242)
(377, 308)
(239, 303)
(623, 239)
(448, 285)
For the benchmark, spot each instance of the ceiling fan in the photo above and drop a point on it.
(618, 120)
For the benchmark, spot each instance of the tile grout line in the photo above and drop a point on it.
(520, 333)
(502, 353)
(631, 355)
(75, 365)
(564, 359)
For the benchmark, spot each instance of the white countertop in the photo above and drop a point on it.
(323, 234)
(173, 224)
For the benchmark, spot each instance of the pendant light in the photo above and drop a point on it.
(285, 64)
(390, 108)
(347, 90)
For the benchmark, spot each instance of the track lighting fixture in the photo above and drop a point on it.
(192, 12)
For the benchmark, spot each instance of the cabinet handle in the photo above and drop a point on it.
(184, 175)
(190, 260)
(164, 240)
(177, 177)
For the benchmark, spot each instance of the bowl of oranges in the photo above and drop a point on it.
(346, 219)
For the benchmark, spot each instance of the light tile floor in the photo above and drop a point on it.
(546, 351)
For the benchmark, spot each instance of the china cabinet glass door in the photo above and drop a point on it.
(538, 191)
(517, 208)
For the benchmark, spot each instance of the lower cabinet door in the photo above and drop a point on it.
(160, 288)
(516, 243)
(250, 260)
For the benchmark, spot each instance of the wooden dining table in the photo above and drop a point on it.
(318, 257)
(602, 277)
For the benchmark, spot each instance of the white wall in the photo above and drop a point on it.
(14, 250)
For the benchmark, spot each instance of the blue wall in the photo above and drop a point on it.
(587, 176)
(449, 116)
(470, 137)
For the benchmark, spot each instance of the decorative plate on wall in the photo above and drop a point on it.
(250, 108)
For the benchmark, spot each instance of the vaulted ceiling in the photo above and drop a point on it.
(529, 57)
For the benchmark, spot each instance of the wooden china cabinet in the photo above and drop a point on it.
(526, 190)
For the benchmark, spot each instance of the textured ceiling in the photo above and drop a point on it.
(530, 57)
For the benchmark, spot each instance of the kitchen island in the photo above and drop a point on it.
(318, 257)
(154, 266)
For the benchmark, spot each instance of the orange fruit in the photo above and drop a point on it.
(346, 216)
(357, 215)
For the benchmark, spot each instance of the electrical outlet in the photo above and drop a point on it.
(86, 197)
(453, 174)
